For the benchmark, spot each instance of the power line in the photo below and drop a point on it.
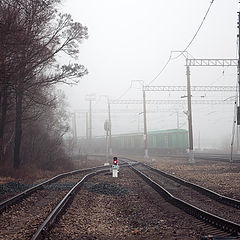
(169, 59)
(123, 94)
(139, 81)
(194, 36)
(185, 50)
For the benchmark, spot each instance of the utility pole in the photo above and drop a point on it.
(238, 66)
(90, 120)
(209, 63)
(90, 98)
(110, 128)
(194, 62)
(87, 131)
(177, 120)
(238, 95)
(190, 62)
(190, 130)
(87, 126)
(145, 126)
(106, 128)
(199, 140)
(238, 72)
(74, 128)
(107, 147)
(139, 121)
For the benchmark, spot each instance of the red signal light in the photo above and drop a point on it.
(115, 160)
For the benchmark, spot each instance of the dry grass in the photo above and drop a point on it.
(27, 174)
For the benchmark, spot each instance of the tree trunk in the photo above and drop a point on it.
(18, 129)
(4, 102)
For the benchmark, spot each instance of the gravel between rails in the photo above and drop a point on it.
(10, 189)
(22, 220)
(221, 177)
(124, 208)
(193, 197)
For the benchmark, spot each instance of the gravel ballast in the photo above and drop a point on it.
(140, 213)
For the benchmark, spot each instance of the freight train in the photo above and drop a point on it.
(173, 141)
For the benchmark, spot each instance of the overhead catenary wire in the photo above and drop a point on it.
(123, 94)
(185, 50)
(200, 26)
(181, 52)
(169, 59)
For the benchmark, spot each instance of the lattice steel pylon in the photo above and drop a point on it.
(200, 63)
(214, 62)
(193, 88)
(173, 102)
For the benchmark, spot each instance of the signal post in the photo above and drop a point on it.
(115, 167)
(107, 128)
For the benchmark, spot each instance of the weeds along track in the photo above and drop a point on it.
(21, 215)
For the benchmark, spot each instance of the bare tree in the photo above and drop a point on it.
(43, 142)
(7, 66)
(40, 33)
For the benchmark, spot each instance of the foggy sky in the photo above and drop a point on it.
(132, 40)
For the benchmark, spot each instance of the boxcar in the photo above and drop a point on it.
(163, 141)
(168, 141)
(159, 142)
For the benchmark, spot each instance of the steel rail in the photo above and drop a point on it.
(209, 218)
(61, 207)
(19, 197)
(213, 195)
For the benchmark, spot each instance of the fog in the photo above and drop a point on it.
(133, 40)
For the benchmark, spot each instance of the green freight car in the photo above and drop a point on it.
(162, 142)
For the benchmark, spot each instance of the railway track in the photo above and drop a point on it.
(23, 195)
(217, 210)
(88, 226)
(26, 210)
(78, 200)
(60, 208)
